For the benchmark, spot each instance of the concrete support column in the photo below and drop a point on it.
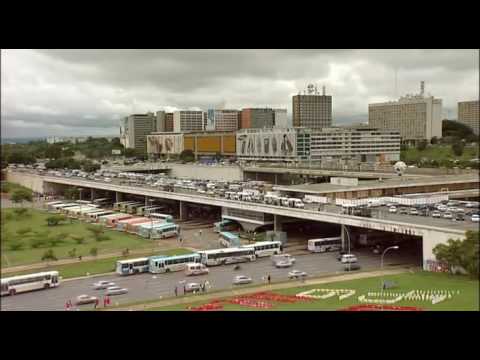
(344, 239)
(182, 210)
(118, 196)
(276, 179)
(92, 194)
(277, 223)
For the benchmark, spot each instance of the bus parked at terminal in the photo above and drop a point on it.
(161, 217)
(266, 248)
(228, 239)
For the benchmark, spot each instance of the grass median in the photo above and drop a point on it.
(93, 267)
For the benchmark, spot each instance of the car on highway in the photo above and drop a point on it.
(191, 287)
(470, 205)
(351, 267)
(85, 299)
(241, 279)
(403, 211)
(448, 215)
(282, 264)
(116, 290)
(475, 218)
(413, 212)
(102, 284)
(348, 258)
(392, 209)
(280, 257)
(459, 217)
(295, 274)
(436, 214)
(442, 208)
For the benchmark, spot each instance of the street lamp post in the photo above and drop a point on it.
(381, 265)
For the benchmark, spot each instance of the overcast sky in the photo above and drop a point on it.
(86, 92)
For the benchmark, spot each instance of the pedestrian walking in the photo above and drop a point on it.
(105, 301)
(176, 291)
(269, 278)
(96, 303)
(184, 289)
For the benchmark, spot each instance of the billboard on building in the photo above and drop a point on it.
(165, 144)
(267, 144)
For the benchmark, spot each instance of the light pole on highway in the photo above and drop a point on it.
(381, 265)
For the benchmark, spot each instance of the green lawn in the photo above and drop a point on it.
(468, 299)
(37, 222)
(438, 153)
(93, 267)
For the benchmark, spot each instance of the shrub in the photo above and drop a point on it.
(72, 253)
(37, 242)
(49, 255)
(78, 239)
(94, 251)
(102, 237)
(21, 212)
(21, 195)
(55, 220)
(23, 231)
(15, 245)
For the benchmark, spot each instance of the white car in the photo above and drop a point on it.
(448, 215)
(241, 279)
(191, 287)
(392, 209)
(436, 214)
(441, 208)
(116, 290)
(295, 274)
(103, 284)
(475, 217)
(283, 264)
(85, 299)
(413, 211)
(348, 258)
(281, 257)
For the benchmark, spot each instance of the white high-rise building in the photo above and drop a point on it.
(280, 119)
(186, 120)
(417, 117)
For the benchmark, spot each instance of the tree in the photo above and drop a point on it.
(130, 152)
(21, 212)
(89, 166)
(455, 128)
(94, 252)
(72, 253)
(434, 140)
(71, 193)
(78, 239)
(96, 231)
(54, 220)
(49, 255)
(38, 242)
(463, 253)
(58, 239)
(422, 145)
(187, 155)
(457, 148)
(21, 195)
(54, 151)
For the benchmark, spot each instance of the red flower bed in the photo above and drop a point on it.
(208, 307)
(245, 301)
(269, 296)
(376, 307)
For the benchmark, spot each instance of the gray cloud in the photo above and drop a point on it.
(68, 92)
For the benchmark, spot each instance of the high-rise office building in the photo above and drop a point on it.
(468, 114)
(417, 117)
(135, 128)
(257, 118)
(280, 119)
(311, 109)
(186, 120)
(222, 120)
(160, 121)
(168, 122)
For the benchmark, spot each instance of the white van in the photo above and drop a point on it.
(195, 269)
(348, 259)
(282, 257)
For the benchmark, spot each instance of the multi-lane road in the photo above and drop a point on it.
(148, 286)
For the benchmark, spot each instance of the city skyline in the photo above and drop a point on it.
(87, 92)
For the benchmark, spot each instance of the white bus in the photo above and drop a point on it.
(266, 248)
(132, 266)
(164, 217)
(17, 284)
(162, 264)
(164, 231)
(227, 256)
(325, 244)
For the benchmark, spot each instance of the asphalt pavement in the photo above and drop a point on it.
(148, 286)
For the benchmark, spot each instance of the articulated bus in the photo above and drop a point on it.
(132, 266)
(226, 256)
(162, 264)
(17, 284)
(266, 248)
(325, 244)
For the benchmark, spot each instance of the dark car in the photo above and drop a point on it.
(351, 267)
(459, 217)
(403, 211)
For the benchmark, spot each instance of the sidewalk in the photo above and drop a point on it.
(84, 259)
(228, 293)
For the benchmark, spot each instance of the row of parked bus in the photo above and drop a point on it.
(232, 255)
(155, 226)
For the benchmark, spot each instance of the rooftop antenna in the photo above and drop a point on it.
(422, 87)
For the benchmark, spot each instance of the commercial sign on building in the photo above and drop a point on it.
(116, 152)
(344, 181)
(266, 144)
(165, 144)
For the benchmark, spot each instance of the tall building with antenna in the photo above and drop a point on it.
(417, 117)
(311, 109)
